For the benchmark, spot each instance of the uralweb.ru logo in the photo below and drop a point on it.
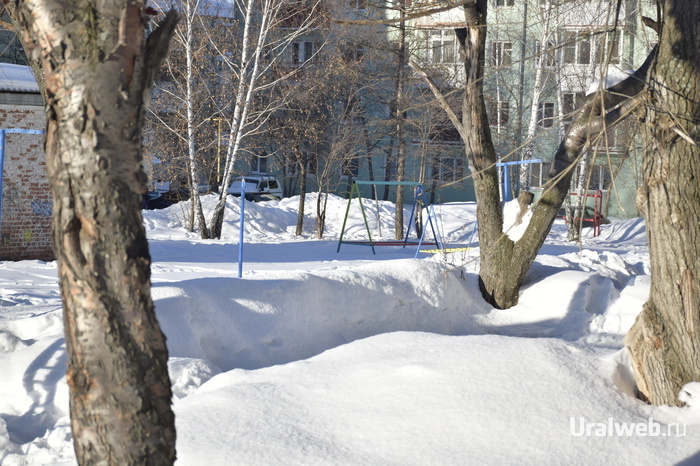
(580, 427)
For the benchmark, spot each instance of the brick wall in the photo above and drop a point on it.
(25, 222)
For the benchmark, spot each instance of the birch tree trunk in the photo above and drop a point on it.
(400, 116)
(247, 76)
(189, 43)
(541, 62)
(664, 342)
(261, 19)
(98, 68)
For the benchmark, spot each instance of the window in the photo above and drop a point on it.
(450, 169)
(440, 46)
(544, 56)
(609, 46)
(302, 52)
(600, 177)
(577, 47)
(351, 168)
(307, 158)
(545, 115)
(311, 163)
(615, 140)
(501, 53)
(353, 52)
(499, 113)
(444, 133)
(537, 174)
(357, 5)
(258, 163)
(500, 3)
(548, 3)
(570, 102)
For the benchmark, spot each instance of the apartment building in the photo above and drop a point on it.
(543, 58)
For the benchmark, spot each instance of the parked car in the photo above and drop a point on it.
(257, 188)
(162, 199)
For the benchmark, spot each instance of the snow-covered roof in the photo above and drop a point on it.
(17, 78)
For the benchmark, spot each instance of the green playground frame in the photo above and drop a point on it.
(420, 193)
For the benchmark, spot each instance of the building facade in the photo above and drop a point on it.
(353, 105)
(25, 218)
(542, 59)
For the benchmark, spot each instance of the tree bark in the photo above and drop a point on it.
(664, 342)
(193, 175)
(481, 155)
(98, 69)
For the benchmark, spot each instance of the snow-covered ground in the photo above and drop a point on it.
(349, 358)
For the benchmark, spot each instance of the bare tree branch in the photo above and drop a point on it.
(451, 114)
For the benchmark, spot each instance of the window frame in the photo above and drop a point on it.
(450, 170)
(303, 51)
(499, 112)
(545, 114)
(443, 40)
(501, 53)
(258, 163)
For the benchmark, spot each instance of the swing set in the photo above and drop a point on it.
(419, 195)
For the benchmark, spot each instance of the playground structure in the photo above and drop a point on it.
(597, 219)
(419, 196)
(506, 189)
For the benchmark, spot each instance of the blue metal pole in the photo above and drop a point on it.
(2, 167)
(240, 235)
(506, 183)
(507, 192)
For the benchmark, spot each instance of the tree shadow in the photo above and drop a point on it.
(260, 323)
(40, 381)
(572, 326)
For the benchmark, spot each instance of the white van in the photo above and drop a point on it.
(257, 188)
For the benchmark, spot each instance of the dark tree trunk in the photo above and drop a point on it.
(494, 246)
(301, 163)
(321, 203)
(98, 69)
(665, 340)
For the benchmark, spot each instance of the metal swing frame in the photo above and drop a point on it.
(419, 194)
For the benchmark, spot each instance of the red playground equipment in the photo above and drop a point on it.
(597, 219)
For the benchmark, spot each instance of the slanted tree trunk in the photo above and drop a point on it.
(98, 68)
(664, 342)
